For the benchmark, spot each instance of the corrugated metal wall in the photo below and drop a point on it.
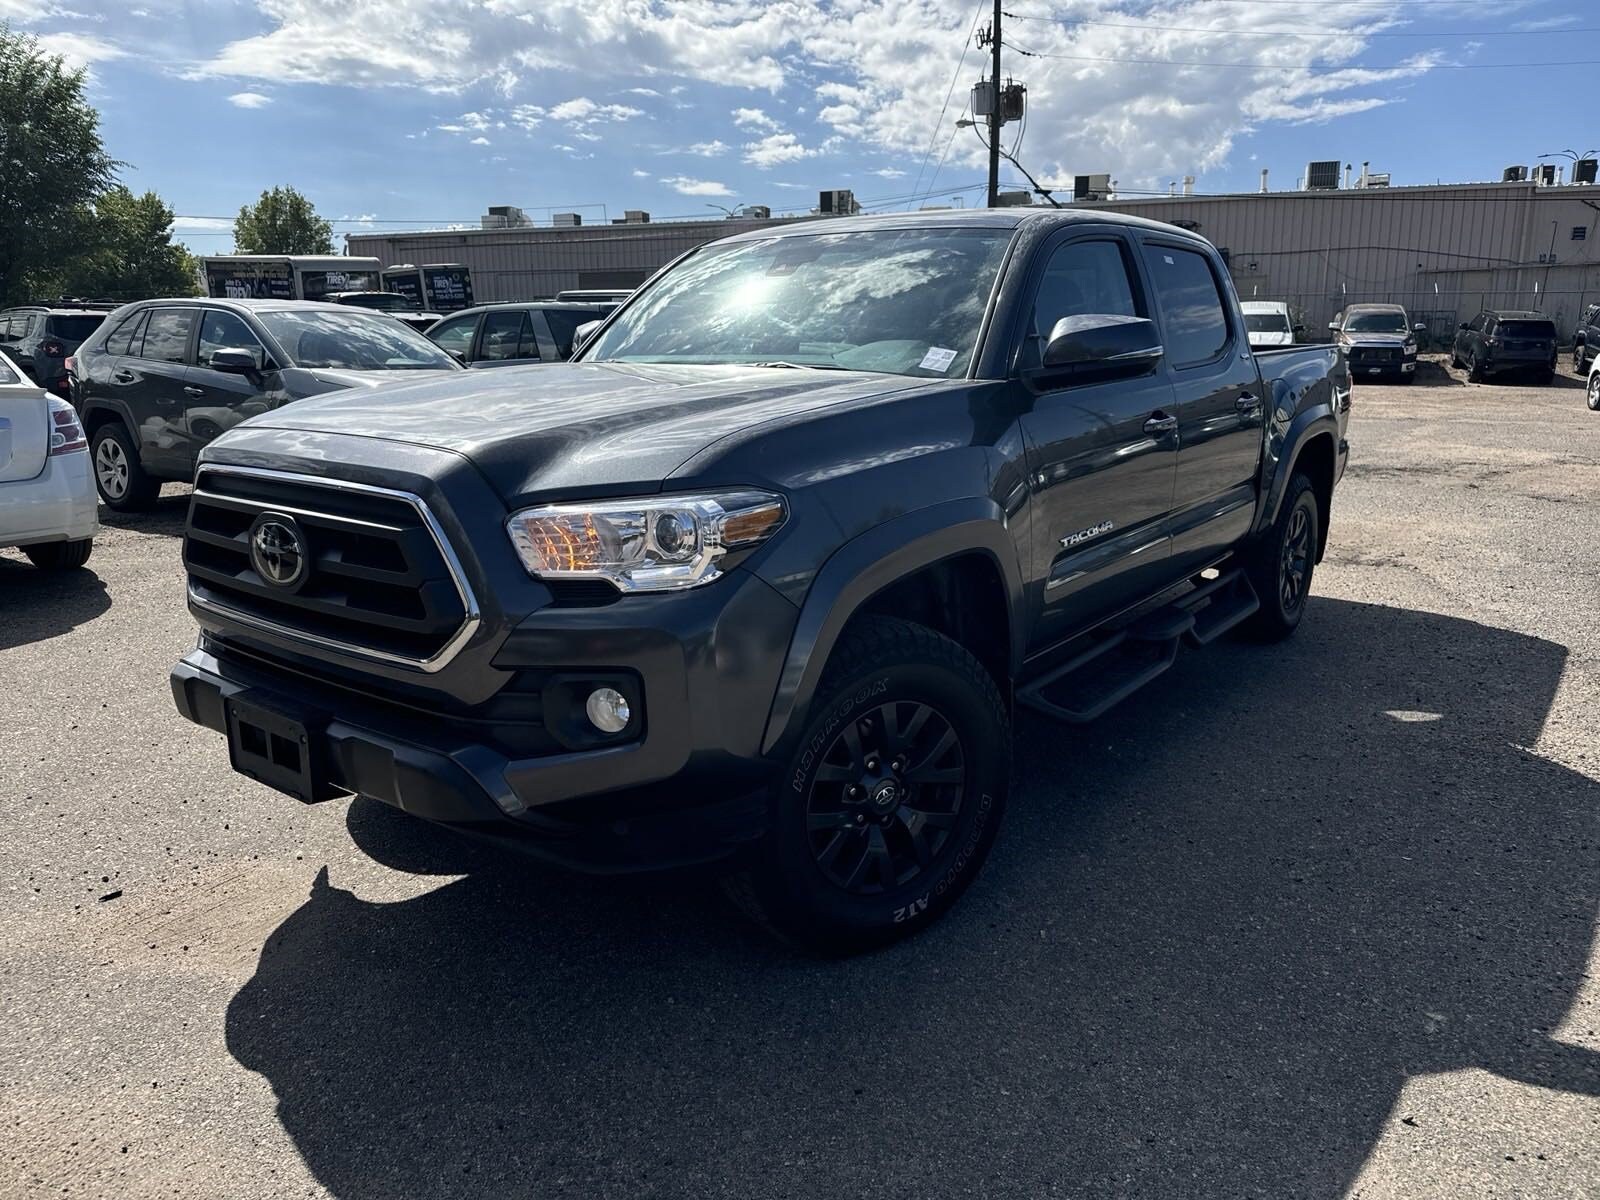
(536, 263)
(1445, 252)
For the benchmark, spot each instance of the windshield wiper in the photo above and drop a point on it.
(793, 366)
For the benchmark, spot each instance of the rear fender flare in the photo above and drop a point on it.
(1283, 450)
(866, 565)
(117, 411)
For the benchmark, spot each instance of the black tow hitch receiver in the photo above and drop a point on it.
(276, 749)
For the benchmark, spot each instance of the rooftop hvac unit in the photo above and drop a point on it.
(1091, 187)
(1375, 179)
(757, 212)
(1014, 199)
(1323, 175)
(635, 216)
(838, 202)
(1545, 174)
(503, 216)
(1515, 173)
(1583, 171)
(566, 220)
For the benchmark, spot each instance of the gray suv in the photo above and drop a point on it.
(161, 378)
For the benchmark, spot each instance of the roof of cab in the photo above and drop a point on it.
(968, 218)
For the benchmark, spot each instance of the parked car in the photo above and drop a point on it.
(1270, 323)
(761, 572)
(47, 505)
(162, 378)
(403, 309)
(608, 296)
(39, 338)
(1378, 339)
(1586, 339)
(503, 335)
(1495, 342)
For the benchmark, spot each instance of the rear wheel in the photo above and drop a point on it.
(1593, 394)
(1579, 365)
(1281, 563)
(59, 556)
(1474, 368)
(889, 804)
(118, 474)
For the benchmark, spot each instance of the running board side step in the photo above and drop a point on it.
(1123, 661)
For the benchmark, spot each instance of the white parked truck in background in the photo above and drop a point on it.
(1270, 323)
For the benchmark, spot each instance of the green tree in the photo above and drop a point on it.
(52, 165)
(281, 222)
(130, 254)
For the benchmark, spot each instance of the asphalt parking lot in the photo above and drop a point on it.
(1309, 920)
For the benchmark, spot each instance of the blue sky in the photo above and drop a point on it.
(422, 112)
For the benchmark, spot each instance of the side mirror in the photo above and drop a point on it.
(1464, 326)
(1103, 341)
(582, 334)
(1299, 328)
(1420, 327)
(1333, 325)
(235, 362)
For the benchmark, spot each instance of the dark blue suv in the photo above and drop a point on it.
(40, 337)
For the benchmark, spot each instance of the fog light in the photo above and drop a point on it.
(608, 710)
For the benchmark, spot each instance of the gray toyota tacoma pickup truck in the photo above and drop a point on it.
(761, 576)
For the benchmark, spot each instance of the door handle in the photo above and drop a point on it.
(122, 376)
(194, 391)
(1247, 403)
(1159, 422)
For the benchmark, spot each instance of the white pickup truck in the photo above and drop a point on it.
(48, 506)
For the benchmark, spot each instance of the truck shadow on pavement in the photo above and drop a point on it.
(37, 605)
(1220, 930)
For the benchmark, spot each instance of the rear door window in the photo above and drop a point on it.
(502, 336)
(1191, 304)
(166, 338)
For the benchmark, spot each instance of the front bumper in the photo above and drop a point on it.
(58, 504)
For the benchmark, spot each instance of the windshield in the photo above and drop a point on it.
(1376, 322)
(1528, 329)
(354, 341)
(1266, 322)
(380, 301)
(904, 301)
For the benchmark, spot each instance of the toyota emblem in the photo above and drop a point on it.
(278, 550)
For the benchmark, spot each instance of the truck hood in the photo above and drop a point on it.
(578, 428)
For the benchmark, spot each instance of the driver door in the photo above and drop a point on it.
(216, 401)
(1102, 456)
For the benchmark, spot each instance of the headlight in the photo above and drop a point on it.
(655, 544)
(1410, 346)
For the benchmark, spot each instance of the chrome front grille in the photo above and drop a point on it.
(381, 583)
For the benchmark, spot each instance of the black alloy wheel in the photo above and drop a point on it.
(1294, 565)
(886, 797)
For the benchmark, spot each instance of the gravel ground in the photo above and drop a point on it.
(1309, 920)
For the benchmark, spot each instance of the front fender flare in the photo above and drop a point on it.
(867, 564)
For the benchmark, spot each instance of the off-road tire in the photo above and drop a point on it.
(878, 662)
(59, 556)
(1268, 559)
(140, 490)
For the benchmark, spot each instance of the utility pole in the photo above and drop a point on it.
(995, 118)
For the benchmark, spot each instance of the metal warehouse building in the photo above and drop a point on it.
(536, 262)
(1443, 251)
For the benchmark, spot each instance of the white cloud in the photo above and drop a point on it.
(712, 149)
(249, 100)
(1101, 96)
(479, 141)
(888, 172)
(696, 187)
(638, 174)
(776, 148)
(643, 92)
(201, 224)
(80, 49)
(753, 118)
(363, 219)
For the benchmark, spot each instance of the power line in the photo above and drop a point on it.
(1174, 62)
(949, 91)
(1300, 33)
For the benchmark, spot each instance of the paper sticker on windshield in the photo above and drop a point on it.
(938, 359)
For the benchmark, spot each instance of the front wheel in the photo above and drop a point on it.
(1281, 563)
(1592, 396)
(59, 556)
(1578, 365)
(889, 804)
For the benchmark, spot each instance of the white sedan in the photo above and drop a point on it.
(48, 505)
